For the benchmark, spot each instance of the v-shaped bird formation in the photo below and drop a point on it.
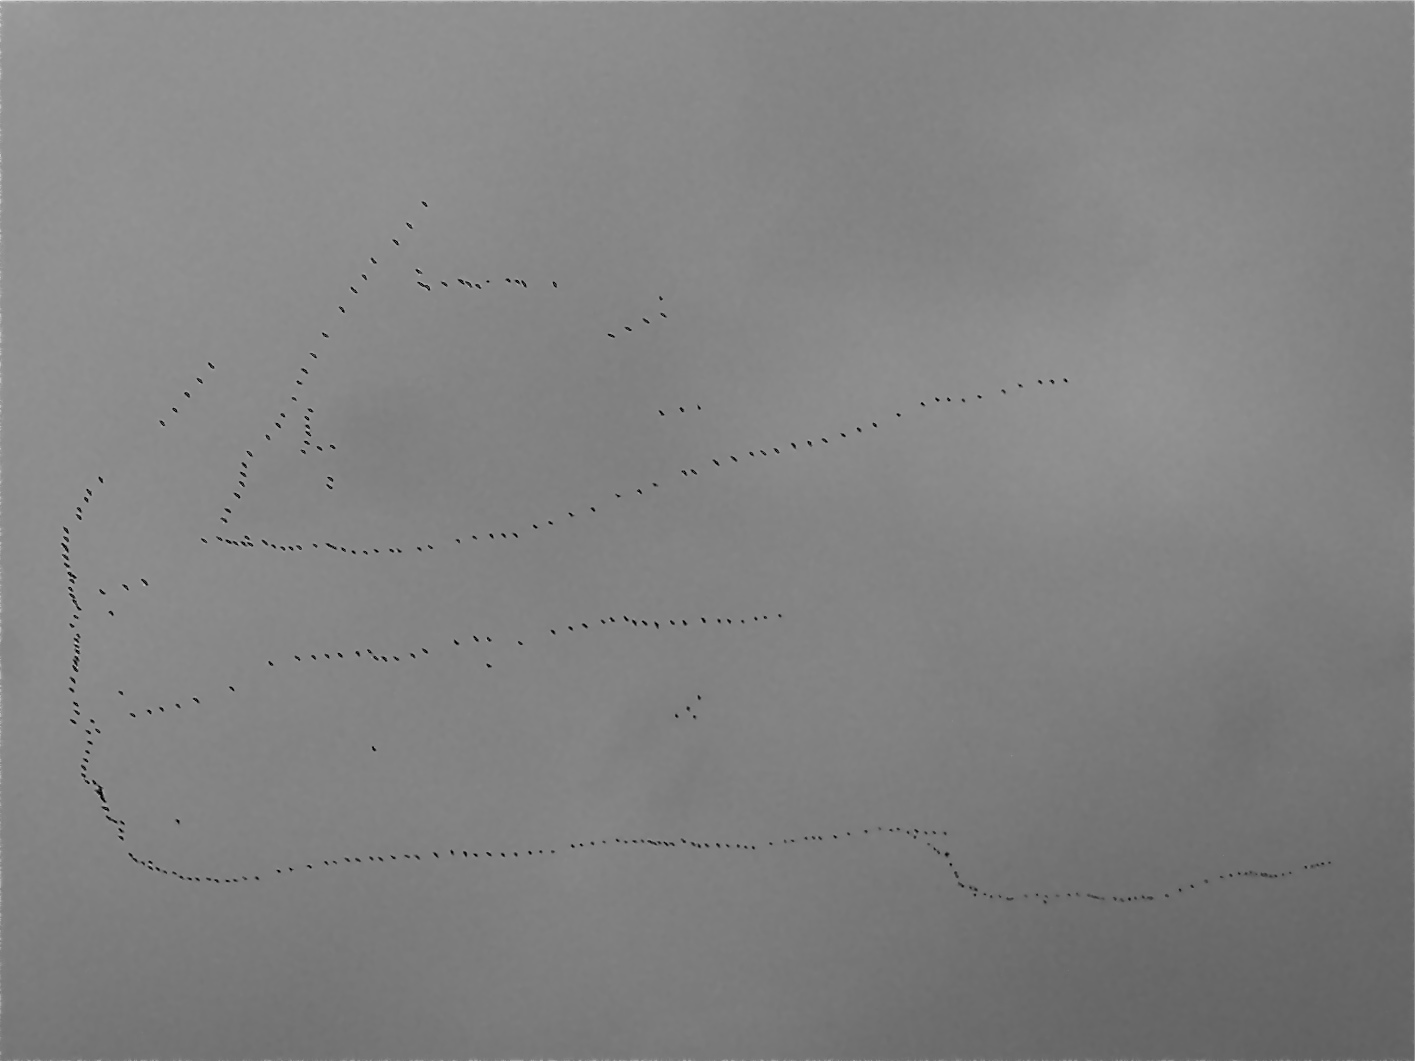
(515, 648)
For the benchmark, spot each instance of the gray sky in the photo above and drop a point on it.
(1116, 635)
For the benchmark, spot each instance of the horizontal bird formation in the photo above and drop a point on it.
(932, 839)
(413, 655)
(924, 836)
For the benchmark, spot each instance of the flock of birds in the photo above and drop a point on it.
(422, 652)
(76, 716)
(721, 463)
(802, 447)
(924, 836)
(932, 839)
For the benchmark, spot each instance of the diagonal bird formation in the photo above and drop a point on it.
(932, 839)
(186, 394)
(786, 448)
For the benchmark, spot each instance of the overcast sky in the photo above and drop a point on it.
(1134, 617)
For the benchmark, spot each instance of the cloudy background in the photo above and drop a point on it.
(1115, 635)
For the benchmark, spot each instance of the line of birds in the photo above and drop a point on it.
(307, 441)
(925, 836)
(92, 730)
(187, 394)
(76, 717)
(421, 652)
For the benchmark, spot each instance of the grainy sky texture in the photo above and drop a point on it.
(1123, 635)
